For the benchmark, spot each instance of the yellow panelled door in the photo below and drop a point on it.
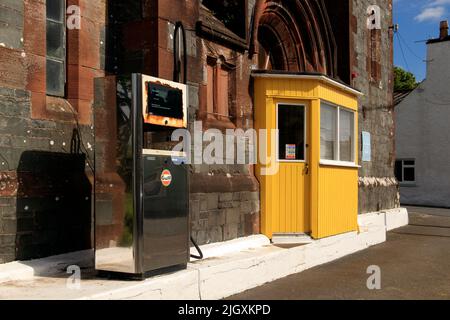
(287, 191)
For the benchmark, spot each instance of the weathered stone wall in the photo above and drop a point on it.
(217, 217)
(45, 193)
(45, 189)
(372, 67)
(11, 24)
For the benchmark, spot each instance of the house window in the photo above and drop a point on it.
(56, 47)
(232, 13)
(218, 91)
(405, 171)
(337, 134)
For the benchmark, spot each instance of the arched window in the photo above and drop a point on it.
(296, 36)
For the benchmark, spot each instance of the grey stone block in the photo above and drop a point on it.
(7, 201)
(8, 226)
(204, 215)
(8, 211)
(224, 205)
(10, 35)
(233, 216)
(12, 4)
(230, 232)
(5, 141)
(14, 126)
(200, 237)
(7, 240)
(203, 205)
(215, 235)
(226, 197)
(246, 207)
(7, 92)
(256, 206)
(7, 254)
(212, 201)
(246, 196)
(22, 94)
(217, 218)
(194, 208)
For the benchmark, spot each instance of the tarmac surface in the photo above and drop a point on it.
(414, 263)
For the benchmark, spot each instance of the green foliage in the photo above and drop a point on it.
(404, 80)
(127, 236)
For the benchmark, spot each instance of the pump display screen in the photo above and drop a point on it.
(164, 101)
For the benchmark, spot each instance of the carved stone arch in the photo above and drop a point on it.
(296, 35)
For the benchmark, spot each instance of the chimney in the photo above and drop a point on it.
(444, 30)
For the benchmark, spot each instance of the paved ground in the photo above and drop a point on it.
(414, 262)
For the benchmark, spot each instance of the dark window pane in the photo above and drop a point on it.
(55, 10)
(55, 78)
(55, 40)
(410, 174)
(291, 125)
(399, 171)
(409, 162)
(232, 13)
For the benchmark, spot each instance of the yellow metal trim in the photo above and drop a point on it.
(298, 77)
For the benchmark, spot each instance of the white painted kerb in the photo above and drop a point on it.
(228, 268)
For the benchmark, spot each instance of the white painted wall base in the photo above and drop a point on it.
(396, 218)
(228, 269)
(27, 270)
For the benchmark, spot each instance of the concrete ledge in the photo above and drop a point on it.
(223, 248)
(27, 270)
(182, 285)
(229, 268)
(396, 218)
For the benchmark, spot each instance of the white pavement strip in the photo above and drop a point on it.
(228, 268)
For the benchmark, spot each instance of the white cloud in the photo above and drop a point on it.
(432, 13)
(438, 3)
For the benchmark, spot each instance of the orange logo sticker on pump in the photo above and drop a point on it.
(166, 178)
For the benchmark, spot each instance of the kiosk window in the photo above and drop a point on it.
(337, 134)
(291, 126)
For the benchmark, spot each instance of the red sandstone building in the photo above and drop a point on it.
(47, 74)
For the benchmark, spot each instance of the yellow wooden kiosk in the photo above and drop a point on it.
(314, 186)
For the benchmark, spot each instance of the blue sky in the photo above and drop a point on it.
(419, 21)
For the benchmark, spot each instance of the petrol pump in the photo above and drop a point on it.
(141, 185)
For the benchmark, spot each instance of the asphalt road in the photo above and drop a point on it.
(414, 264)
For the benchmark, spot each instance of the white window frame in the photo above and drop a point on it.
(277, 145)
(337, 142)
(408, 166)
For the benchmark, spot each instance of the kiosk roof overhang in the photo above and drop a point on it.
(269, 74)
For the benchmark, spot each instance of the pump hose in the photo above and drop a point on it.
(176, 77)
(200, 256)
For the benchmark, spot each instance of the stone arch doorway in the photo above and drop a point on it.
(295, 36)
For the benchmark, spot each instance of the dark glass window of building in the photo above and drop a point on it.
(405, 171)
(56, 47)
(232, 13)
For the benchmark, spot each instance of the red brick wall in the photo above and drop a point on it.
(83, 60)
